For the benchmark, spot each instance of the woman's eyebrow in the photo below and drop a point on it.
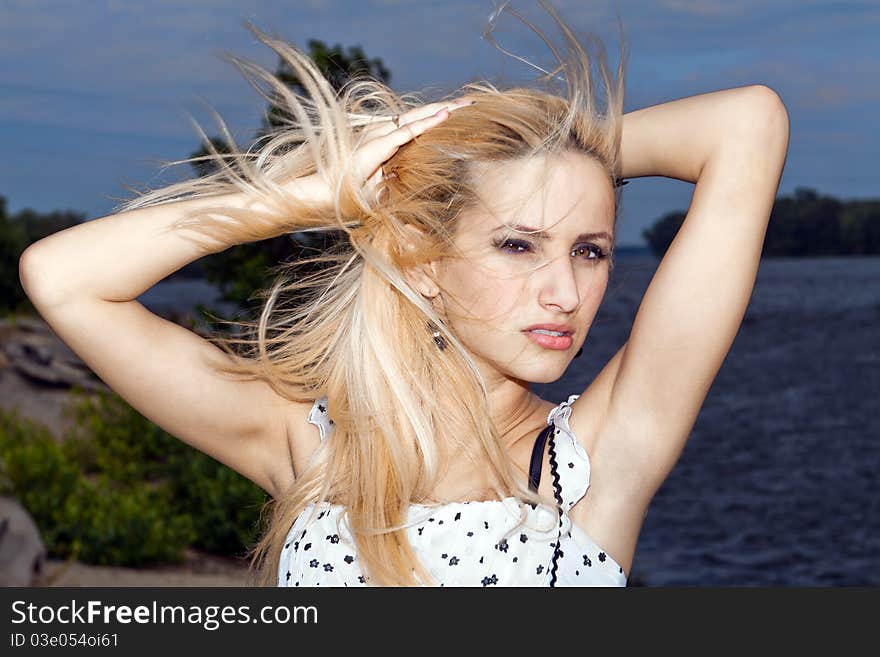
(540, 234)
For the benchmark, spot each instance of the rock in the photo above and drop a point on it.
(22, 553)
(37, 370)
(31, 324)
(39, 355)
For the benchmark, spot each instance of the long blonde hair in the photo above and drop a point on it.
(352, 328)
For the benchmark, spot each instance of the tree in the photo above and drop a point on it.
(337, 66)
(805, 224)
(240, 271)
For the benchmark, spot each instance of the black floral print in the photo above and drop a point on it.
(477, 531)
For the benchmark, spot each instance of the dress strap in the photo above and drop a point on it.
(538, 457)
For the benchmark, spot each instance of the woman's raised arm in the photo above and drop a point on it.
(85, 281)
(733, 144)
(675, 139)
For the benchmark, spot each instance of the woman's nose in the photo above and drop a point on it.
(560, 285)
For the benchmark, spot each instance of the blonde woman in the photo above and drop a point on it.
(383, 400)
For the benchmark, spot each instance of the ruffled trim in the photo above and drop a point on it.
(562, 411)
(320, 417)
(573, 458)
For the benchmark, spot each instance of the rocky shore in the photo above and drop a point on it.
(36, 372)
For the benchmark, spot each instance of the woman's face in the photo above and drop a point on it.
(508, 281)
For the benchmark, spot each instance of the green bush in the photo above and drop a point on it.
(108, 436)
(96, 522)
(37, 473)
(134, 525)
(121, 491)
(224, 506)
(112, 438)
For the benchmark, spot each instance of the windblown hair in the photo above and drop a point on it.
(353, 328)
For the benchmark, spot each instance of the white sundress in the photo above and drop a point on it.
(464, 543)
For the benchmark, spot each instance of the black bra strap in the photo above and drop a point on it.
(538, 458)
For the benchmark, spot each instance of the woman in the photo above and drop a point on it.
(385, 401)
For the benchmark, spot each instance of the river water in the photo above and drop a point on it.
(777, 484)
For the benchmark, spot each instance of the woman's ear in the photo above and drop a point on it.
(423, 276)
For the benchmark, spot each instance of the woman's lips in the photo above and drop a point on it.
(561, 342)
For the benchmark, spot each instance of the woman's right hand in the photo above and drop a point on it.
(380, 142)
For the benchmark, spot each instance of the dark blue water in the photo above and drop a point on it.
(777, 483)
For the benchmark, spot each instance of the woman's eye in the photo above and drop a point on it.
(591, 248)
(515, 246)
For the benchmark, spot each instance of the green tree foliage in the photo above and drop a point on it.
(805, 224)
(337, 65)
(112, 439)
(240, 271)
(118, 490)
(860, 227)
(12, 243)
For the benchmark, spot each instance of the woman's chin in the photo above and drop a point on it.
(547, 372)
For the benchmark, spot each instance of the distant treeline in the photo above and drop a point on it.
(806, 224)
(21, 229)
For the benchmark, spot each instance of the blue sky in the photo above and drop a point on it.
(94, 93)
